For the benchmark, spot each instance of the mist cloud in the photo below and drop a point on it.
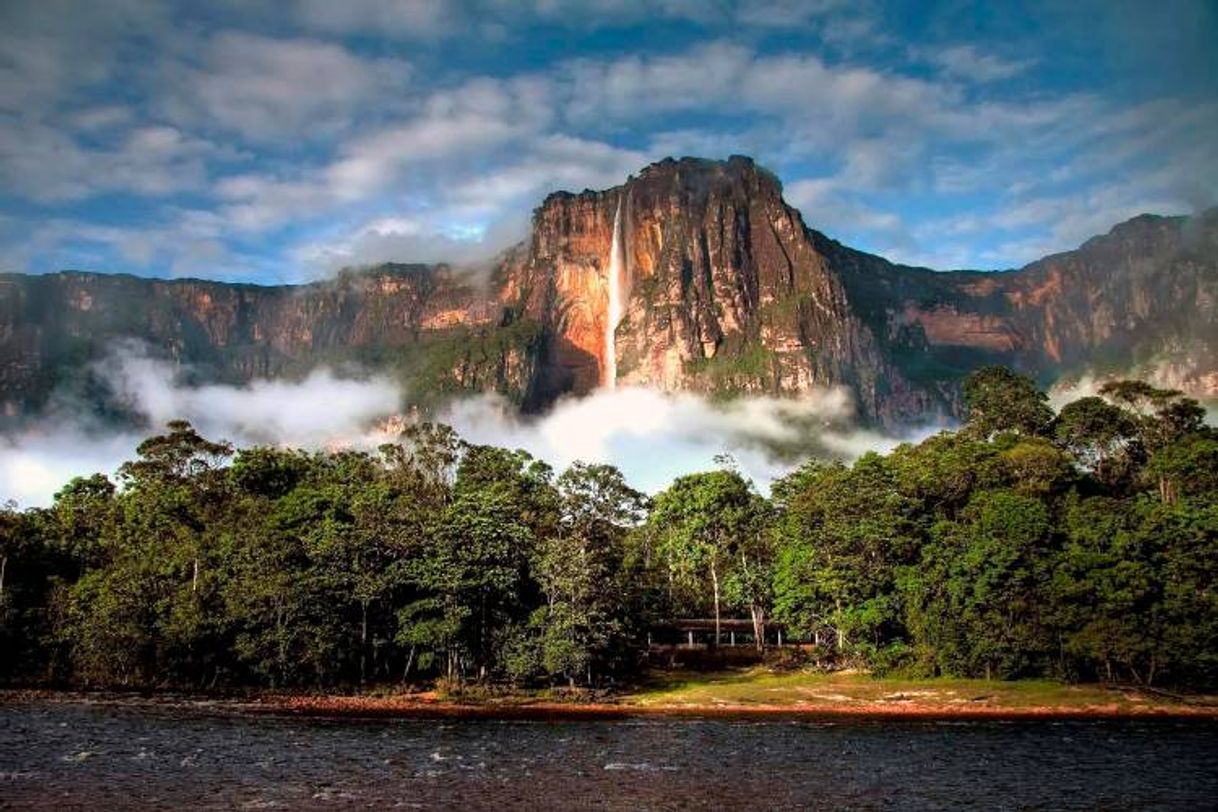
(652, 436)
(321, 409)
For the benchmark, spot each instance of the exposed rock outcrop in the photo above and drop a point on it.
(724, 289)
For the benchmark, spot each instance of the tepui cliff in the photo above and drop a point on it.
(692, 275)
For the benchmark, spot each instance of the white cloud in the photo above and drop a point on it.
(413, 160)
(339, 132)
(827, 101)
(189, 242)
(476, 214)
(971, 63)
(101, 118)
(549, 163)
(42, 163)
(414, 19)
(787, 13)
(51, 50)
(405, 238)
(38, 463)
(651, 436)
(265, 88)
(322, 410)
(654, 437)
(829, 206)
(634, 87)
(760, 14)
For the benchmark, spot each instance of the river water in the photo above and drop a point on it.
(103, 756)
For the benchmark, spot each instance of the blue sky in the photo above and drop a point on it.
(277, 140)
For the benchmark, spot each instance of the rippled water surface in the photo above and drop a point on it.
(80, 755)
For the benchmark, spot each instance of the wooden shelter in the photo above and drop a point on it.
(693, 633)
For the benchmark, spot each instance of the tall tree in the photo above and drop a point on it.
(469, 582)
(845, 531)
(999, 400)
(700, 521)
(980, 596)
(1103, 438)
(1187, 467)
(579, 571)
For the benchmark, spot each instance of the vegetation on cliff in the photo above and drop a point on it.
(1078, 545)
(727, 290)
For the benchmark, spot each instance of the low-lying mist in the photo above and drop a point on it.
(1090, 383)
(653, 437)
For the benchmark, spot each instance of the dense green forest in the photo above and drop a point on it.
(1080, 545)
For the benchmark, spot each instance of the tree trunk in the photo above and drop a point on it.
(482, 647)
(715, 583)
(279, 641)
(409, 663)
(3, 567)
(1167, 490)
(755, 609)
(837, 627)
(363, 642)
(194, 579)
(758, 626)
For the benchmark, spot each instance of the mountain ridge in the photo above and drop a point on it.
(726, 291)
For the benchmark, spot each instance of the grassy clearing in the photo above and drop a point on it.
(842, 690)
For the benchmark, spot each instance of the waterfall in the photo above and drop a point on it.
(614, 314)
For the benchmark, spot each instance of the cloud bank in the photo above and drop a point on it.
(321, 410)
(273, 140)
(653, 437)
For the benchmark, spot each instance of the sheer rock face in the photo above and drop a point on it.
(725, 290)
(53, 327)
(561, 281)
(1141, 299)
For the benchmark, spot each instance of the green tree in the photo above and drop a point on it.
(700, 523)
(999, 400)
(579, 571)
(469, 581)
(423, 462)
(1103, 438)
(941, 473)
(1187, 467)
(1106, 590)
(1033, 466)
(845, 531)
(975, 601)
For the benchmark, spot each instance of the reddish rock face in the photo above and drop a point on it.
(564, 284)
(724, 289)
(945, 325)
(728, 290)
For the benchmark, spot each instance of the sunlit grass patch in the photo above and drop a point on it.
(760, 686)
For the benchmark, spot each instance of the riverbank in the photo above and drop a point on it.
(756, 692)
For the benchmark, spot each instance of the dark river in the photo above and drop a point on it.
(79, 755)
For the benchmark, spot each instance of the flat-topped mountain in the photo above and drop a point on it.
(692, 275)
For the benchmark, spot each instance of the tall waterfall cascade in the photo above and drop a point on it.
(613, 315)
